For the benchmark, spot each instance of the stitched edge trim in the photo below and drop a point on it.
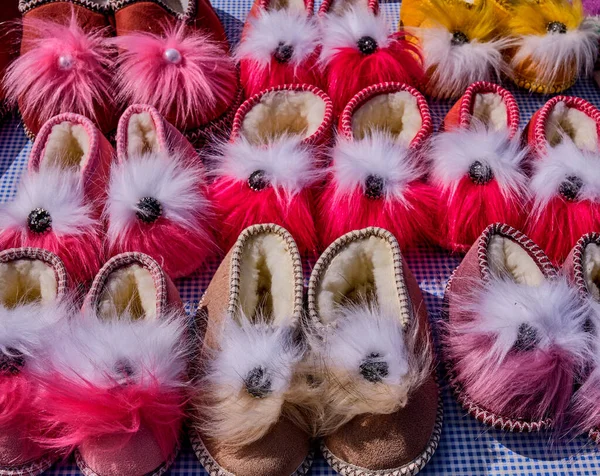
(534, 86)
(189, 13)
(411, 468)
(162, 469)
(385, 88)
(334, 249)
(578, 260)
(27, 5)
(28, 469)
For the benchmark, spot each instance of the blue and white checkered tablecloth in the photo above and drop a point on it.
(467, 447)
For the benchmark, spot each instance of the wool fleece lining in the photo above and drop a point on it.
(130, 290)
(507, 257)
(338, 7)
(287, 5)
(567, 121)
(179, 6)
(67, 147)
(25, 281)
(141, 135)
(591, 269)
(489, 109)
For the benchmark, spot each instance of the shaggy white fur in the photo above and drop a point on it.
(551, 52)
(455, 67)
(57, 191)
(565, 160)
(289, 165)
(275, 27)
(162, 176)
(247, 380)
(508, 259)
(67, 147)
(345, 29)
(568, 121)
(377, 154)
(454, 151)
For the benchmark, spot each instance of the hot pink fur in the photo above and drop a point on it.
(192, 90)
(16, 396)
(585, 414)
(65, 70)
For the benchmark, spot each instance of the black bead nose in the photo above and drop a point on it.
(459, 38)
(556, 27)
(258, 180)
(367, 45)
(480, 173)
(527, 338)
(373, 369)
(570, 187)
(283, 53)
(12, 363)
(39, 220)
(258, 383)
(374, 187)
(149, 209)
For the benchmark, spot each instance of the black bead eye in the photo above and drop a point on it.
(480, 173)
(527, 338)
(258, 180)
(283, 53)
(367, 45)
(149, 209)
(459, 38)
(374, 187)
(12, 362)
(39, 220)
(556, 27)
(570, 187)
(258, 383)
(373, 368)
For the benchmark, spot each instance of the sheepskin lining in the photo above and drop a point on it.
(129, 289)
(25, 281)
(287, 5)
(507, 258)
(338, 7)
(179, 6)
(141, 135)
(67, 147)
(363, 272)
(266, 289)
(489, 109)
(396, 113)
(283, 113)
(567, 121)
(591, 269)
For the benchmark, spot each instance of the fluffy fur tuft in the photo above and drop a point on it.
(556, 223)
(513, 374)
(75, 235)
(396, 58)
(406, 204)
(181, 238)
(65, 70)
(466, 208)
(291, 171)
(259, 70)
(191, 90)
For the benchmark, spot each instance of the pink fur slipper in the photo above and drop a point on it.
(32, 304)
(113, 385)
(280, 45)
(516, 337)
(477, 166)
(376, 177)
(565, 187)
(60, 198)
(268, 170)
(157, 195)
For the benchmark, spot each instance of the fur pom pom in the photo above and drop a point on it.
(244, 391)
(519, 353)
(266, 184)
(65, 70)
(185, 75)
(376, 182)
(73, 234)
(360, 41)
(177, 233)
(566, 198)
(280, 47)
(480, 180)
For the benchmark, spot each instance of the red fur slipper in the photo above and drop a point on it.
(63, 66)
(176, 60)
(267, 171)
(59, 201)
(516, 337)
(279, 45)
(565, 186)
(32, 304)
(359, 50)
(157, 195)
(376, 177)
(114, 384)
(477, 166)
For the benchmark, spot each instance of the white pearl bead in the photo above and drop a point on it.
(173, 56)
(66, 62)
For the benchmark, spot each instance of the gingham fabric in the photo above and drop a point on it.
(466, 447)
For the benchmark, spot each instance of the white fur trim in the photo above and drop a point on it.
(272, 28)
(57, 191)
(568, 121)
(453, 152)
